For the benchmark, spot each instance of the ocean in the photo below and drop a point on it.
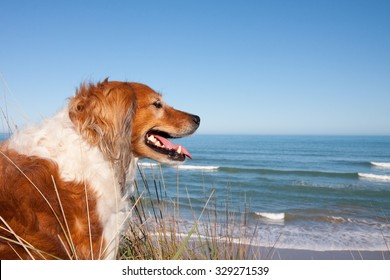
(297, 192)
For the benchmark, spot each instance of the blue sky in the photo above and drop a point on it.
(253, 67)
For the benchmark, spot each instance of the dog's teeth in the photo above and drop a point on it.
(179, 150)
(157, 144)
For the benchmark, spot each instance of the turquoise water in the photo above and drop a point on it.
(302, 192)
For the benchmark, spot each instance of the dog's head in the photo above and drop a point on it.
(126, 119)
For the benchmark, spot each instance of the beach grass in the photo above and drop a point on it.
(159, 232)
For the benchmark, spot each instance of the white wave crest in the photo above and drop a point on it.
(181, 167)
(271, 216)
(337, 220)
(198, 167)
(374, 177)
(385, 165)
(148, 164)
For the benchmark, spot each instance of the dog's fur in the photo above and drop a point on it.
(63, 184)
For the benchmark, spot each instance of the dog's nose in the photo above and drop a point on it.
(196, 119)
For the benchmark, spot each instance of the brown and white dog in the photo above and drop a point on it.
(63, 182)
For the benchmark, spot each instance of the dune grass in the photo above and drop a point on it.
(158, 231)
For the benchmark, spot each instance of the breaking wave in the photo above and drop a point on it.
(148, 164)
(181, 167)
(384, 165)
(198, 167)
(374, 177)
(271, 216)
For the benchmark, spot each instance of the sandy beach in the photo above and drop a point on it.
(292, 254)
(253, 252)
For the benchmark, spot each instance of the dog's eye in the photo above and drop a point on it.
(157, 104)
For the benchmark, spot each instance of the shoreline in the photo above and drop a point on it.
(258, 252)
(268, 253)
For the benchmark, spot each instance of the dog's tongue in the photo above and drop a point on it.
(171, 146)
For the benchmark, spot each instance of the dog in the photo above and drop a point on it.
(63, 190)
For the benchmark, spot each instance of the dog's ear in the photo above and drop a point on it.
(82, 113)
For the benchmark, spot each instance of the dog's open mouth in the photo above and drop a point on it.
(158, 141)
